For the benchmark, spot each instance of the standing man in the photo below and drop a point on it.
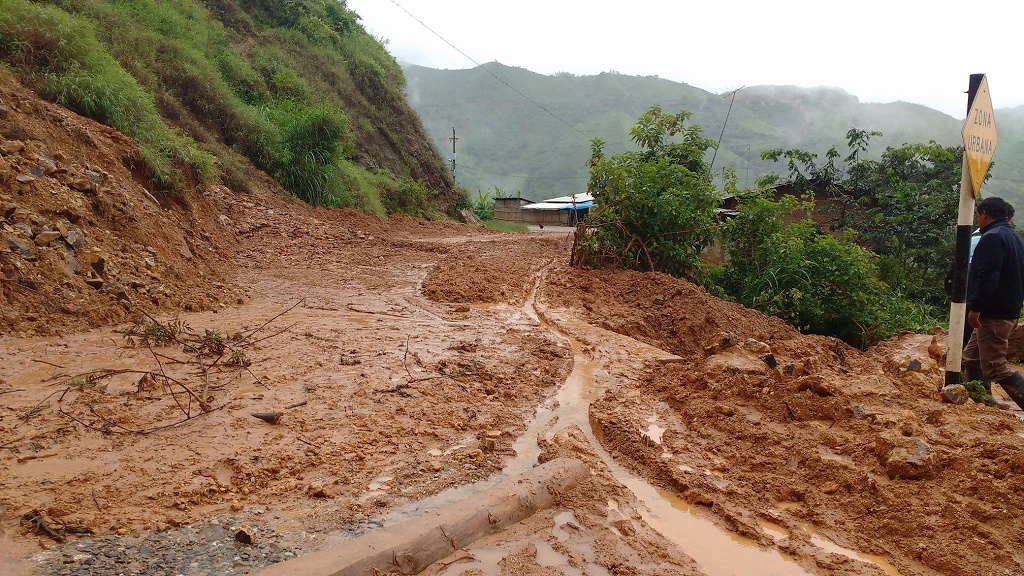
(995, 295)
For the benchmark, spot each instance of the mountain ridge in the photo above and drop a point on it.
(529, 133)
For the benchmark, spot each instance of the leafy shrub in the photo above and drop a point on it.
(817, 282)
(903, 206)
(410, 197)
(655, 208)
(483, 206)
(313, 141)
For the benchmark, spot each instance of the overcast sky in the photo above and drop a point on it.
(878, 50)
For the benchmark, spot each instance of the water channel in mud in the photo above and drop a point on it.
(717, 551)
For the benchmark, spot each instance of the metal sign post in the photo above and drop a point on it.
(979, 145)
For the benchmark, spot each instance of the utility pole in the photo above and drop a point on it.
(748, 167)
(453, 139)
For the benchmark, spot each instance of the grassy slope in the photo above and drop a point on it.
(298, 90)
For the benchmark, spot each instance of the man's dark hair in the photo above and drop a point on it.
(996, 207)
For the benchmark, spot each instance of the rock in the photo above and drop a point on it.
(49, 166)
(317, 490)
(246, 535)
(69, 254)
(756, 347)
(76, 239)
(900, 364)
(215, 533)
(21, 248)
(911, 463)
(83, 185)
(818, 385)
(93, 260)
(95, 282)
(11, 147)
(95, 177)
(954, 394)
(24, 179)
(116, 289)
(907, 458)
(25, 228)
(45, 237)
(20, 216)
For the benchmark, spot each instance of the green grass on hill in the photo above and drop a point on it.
(296, 89)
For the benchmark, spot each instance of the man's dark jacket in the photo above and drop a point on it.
(995, 283)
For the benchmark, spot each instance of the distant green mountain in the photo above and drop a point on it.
(529, 133)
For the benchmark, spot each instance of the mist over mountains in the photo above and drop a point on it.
(529, 133)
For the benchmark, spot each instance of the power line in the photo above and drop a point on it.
(510, 87)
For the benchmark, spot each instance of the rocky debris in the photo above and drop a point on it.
(22, 249)
(219, 546)
(954, 394)
(902, 363)
(907, 458)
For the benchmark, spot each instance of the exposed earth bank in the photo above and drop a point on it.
(391, 361)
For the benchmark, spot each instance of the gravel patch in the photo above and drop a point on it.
(215, 547)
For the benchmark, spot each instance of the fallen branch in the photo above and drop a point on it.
(47, 363)
(35, 519)
(22, 459)
(264, 325)
(32, 412)
(110, 423)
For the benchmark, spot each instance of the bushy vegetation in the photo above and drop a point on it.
(62, 58)
(656, 211)
(297, 88)
(655, 208)
(820, 283)
(903, 207)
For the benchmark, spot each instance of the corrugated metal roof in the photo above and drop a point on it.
(580, 201)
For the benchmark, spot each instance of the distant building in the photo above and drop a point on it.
(561, 211)
(510, 209)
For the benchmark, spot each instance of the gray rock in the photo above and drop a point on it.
(24, 179)
(21, 248)
(906, 458)
(76, 239)
(116, 289)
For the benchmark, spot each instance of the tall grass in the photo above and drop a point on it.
(59, 55)
(297, 88)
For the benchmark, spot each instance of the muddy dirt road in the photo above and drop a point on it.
(413, 364)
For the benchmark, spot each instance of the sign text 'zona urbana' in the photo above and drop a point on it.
(980, 145)
(982, 118)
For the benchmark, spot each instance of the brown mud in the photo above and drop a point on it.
(410, 358)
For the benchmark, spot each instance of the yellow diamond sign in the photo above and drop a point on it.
(980, 136)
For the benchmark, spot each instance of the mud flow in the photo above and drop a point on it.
(216, 385)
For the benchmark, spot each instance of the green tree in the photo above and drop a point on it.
(655, 208)
(903, 206)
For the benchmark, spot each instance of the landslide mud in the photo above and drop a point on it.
(403, 361)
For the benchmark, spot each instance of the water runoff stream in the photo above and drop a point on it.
(717, 551)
